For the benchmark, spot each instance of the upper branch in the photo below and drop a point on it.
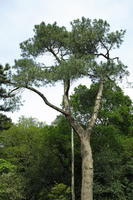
(54, 54)
(106, 56)
(107, 49)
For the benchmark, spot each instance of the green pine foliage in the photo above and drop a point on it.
(74, 53)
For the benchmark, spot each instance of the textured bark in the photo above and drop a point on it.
(66, 95)
(87, 169)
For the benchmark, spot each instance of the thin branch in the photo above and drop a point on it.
(47, 102)
(77, 127)
(54, 54)
(115, 58)
(6, 96)
(106, 56)
(110, 47)
(107, 53)
(14, 90)
(101, 54)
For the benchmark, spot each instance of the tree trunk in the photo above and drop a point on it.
(87, 169)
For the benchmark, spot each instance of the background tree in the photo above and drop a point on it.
(40, 153)
(75, 53)
(11, 184)
(8, 102)
(60, 192)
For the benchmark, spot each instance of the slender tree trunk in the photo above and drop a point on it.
(87, 169)
(73, 178)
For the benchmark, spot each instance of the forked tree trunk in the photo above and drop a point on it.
(87, 169)
(86, 153)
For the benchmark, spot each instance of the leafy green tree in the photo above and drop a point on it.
(128, 167)
(76, 54)
(11, 184)
(5, 122)
(60, 192)
(116, 108)
(113, 171)
(6, 166)
(21, 144)
(40, 153)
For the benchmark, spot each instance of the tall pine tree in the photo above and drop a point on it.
(85, 51)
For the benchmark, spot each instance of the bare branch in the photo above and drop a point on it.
(6, 96)
(47, 102)
(110, 47)
(107, 50)
(14, 90)
(101, 54)
(115, 58)
(54, 54)
(106, 56)
(77, 127)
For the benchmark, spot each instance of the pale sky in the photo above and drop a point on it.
(17, 20)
